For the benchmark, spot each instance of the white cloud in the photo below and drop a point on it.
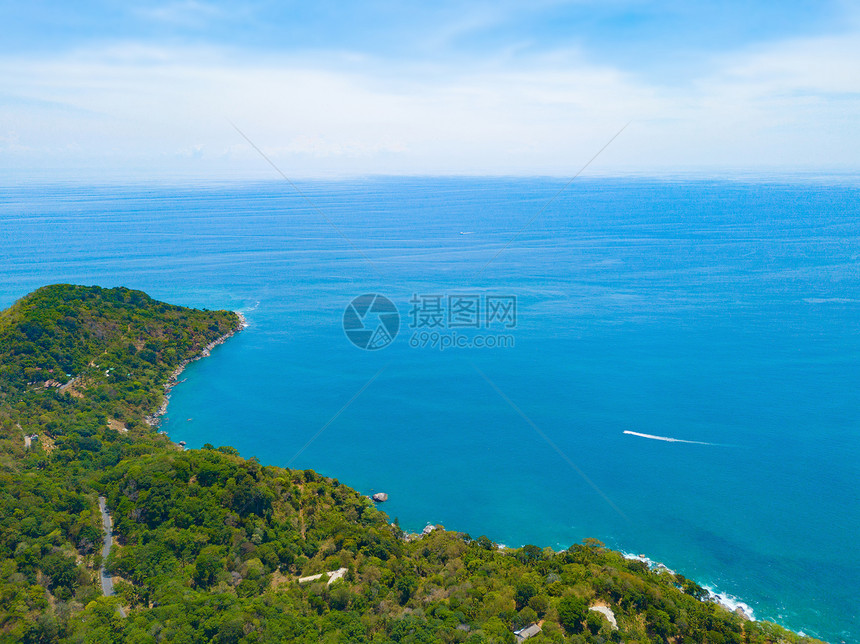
(792, 105)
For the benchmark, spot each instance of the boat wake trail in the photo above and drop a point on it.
(666, 438)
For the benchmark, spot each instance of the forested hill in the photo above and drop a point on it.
(211, 546)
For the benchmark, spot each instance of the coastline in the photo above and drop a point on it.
(725, 600)
(154, 419)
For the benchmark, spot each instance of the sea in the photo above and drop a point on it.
(671, 366)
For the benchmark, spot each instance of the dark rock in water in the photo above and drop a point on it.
(380, 497)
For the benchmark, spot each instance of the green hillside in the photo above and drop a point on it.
(210, 546)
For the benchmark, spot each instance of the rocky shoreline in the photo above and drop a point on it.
(725, 600)
(728, 602)
(154, 419)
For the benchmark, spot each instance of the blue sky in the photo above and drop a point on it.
(609, 30)
(350, 88)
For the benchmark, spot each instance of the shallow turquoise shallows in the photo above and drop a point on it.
(725, 314)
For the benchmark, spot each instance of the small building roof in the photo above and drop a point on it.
(529, 631)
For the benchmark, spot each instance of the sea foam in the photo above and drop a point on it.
(723, 599)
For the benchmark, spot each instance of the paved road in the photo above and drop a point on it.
(107, 580)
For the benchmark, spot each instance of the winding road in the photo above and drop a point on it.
(104, 575)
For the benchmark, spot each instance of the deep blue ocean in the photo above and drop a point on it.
(722, 312)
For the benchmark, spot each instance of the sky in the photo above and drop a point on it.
(120, 89)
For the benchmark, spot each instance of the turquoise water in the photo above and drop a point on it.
(726, 313)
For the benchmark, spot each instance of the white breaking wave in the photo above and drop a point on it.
(732, 603)
(654, 565)
(724, 599)
(241, 313)
(665, 438)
